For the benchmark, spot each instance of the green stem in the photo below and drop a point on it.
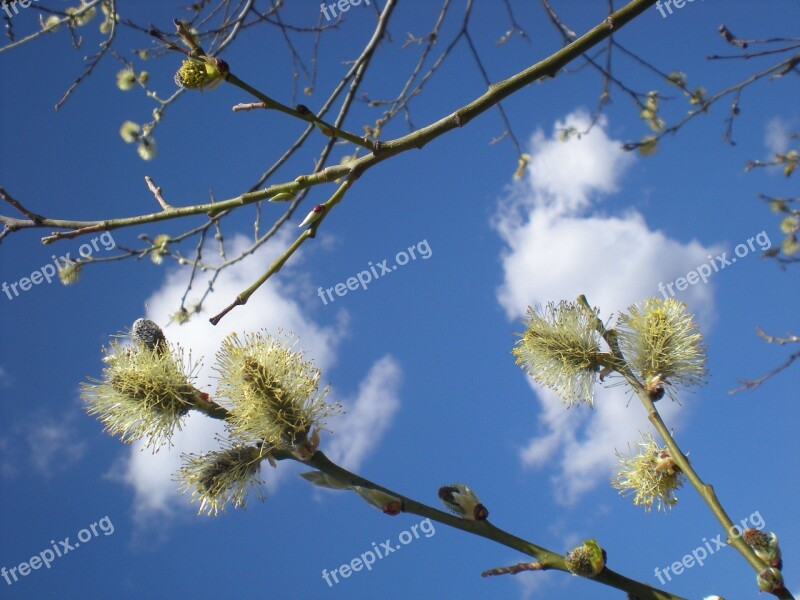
(207, 406)
(705, 490)
(211, 208)
(310, 232)
(308, 117)
(548, 560)
(548, 67)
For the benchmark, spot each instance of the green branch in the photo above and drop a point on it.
(547, 559)
(548, 67)
(304, 114)
(276, 266)
(705, 490)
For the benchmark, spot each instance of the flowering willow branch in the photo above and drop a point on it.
(648, 394)
(274, 410)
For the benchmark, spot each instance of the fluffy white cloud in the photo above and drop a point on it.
(272, 308)
(562, 178)
(582, 441)
(776, 136)
(559, 245)
(55, 446)
(368, 416)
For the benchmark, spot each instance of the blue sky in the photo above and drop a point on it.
(421, 359)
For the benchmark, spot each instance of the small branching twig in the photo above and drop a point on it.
(752, 384)
(648, 399)
(513, 569)
(157, 193)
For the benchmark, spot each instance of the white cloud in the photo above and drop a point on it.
(532, 584)
(776, 135)
(582, 441)
(43, 444)
(152, 476)
(54, 446)
(615, 261)
(357, 433)
(561, 174)
(558, 246)
(271, 307)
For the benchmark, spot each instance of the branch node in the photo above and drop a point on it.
(238, 302)
(156, 191)
(36, 218)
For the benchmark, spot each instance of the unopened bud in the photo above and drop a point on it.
(324, 480)
(282, 197)
(463, 502)
(522, 166)
(765, 545)
(312, 216)
(770, 580)
(391, 505)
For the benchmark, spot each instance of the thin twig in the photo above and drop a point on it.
(157, 193)
(751, 384)
(35, 218)
(513, 569)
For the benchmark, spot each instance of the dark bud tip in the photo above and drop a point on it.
(149, 334)
(221, 66)
(393, 509)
